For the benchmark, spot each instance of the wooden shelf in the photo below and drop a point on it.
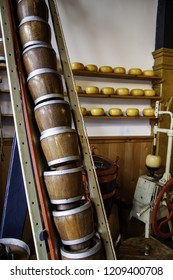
(116, 76)
(2, 66)
(118, 117)
(4, 91)
(99, 95)
(7, 115)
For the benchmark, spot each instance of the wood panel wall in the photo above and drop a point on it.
(132, 153)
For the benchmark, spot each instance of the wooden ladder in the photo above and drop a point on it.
(94, 189)
(21, 133)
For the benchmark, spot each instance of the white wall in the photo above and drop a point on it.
(115, 33)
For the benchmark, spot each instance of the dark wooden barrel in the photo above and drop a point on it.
(27, 8)
(45, 84)
(18, 248)
(93, 252)
(107, 172)
(34, 30)
(60, 146)
(5, 252)
(39, 56)
(64, 186)
(53, 113)
(75, 226)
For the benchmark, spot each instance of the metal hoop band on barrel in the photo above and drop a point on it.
(85, 254)
(56, 130)
(66, 201)
(40, 71)
(62, 172)
(31, 18)
(48, 97)
(45, 45)
(30, 43)
(62, 160)
(78, 241)
(50, 102)
(72, 211)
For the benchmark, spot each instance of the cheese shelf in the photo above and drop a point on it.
(153, 79)
(3, 66)
(4, 91)
(7, 115)
(119, 117)
(99, 95)
(98, 74)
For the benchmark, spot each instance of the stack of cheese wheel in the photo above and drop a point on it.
(58, 140)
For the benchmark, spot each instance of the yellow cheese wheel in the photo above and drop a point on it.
(78, 88)
(83, 111)
(97, 111)
(91, 67)
(148, 72)
(149, 92)
(135, 71)
(122, 91)
(92, 90)
(153, 161)
(107, 90)
(132, 112)
(148, 112)
(137, 92)
(119, 70)
(115, 112)
(77, 66)
(106, 69)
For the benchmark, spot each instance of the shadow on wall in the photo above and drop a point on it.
(110, 32)
(86, 20)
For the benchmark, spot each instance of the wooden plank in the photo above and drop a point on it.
(131, 154)
(115, 76)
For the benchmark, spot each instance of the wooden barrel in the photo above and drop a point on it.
(75, 226)
(107, 172)
(53, 113)
(94, 252)
(64, 186)
(19, 249)
(27, 8)
(39, 56)
(5, 252)
(60, 146)
(34, 30)
(45, 84)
